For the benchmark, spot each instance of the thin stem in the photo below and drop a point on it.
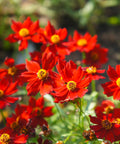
(3, 117)
(93, 87)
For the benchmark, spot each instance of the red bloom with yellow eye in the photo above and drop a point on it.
(23, 32)
(6, 89)
(112, 88)
(96, 57)
(7, 137)
(107, 106)
(40, 79)
(19, 122)
(73, 84)
(38, 111)
(54, 40)
(83, 43)
(107, 125)
(94, 73)
(13, 72)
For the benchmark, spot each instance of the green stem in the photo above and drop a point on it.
(3, 117)
(83, 57)
(93, 87)
(57, 107)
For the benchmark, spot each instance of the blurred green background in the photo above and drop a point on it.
(100, 17)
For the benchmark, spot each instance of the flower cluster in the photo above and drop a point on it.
(47, 72)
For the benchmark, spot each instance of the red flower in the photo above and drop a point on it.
(96, 57)
(7, 137)
(40, 79)
(107, 107)
(94, 73)
(83, 43)
(112, 88)
(54, 40)
(38, 111)
(72, 84)
(19, 122)
(107, 125)
(23, 32)
(13, 72)
(36, 56)
(7, 88)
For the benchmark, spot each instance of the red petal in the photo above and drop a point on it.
(16, 26)
(23, 45)
(32, 66)
(9, 62)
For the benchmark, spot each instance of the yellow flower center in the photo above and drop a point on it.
(106, 124)
(55, 39)
(71, 85)
(94, 56)
(12, 70)
(118, 82)
(24, 32)
(91, 70)
(81, 42)
(4, 138)
(42, 74)
(109, 109)
(1, 93)
(37, 110)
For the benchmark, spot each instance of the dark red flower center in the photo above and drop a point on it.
(106, 124)
(1, 93)
(37, 110)
(71, 85)
(4, 138)
(12, 70)
(42, 74)
(94, 56)
(24, 130)
(82, 42)
(55, 38)
(91, 70)
(24, 32)
(118, 82)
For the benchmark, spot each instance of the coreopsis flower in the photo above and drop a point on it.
(54, 40)
(7, 137)
(40, 78)
(96, 57)
(107, 125)
(12, 72)
(83, 43)
(106, 106)
(7, 88)
(38, 111)
(94, 73)
(19, 123)
(72, 84)
(89, 135)
(112, 88)
(59, 142)
(23, 32)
